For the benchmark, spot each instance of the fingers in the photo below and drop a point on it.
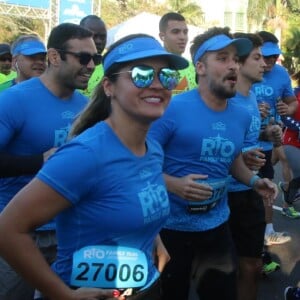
(198, 191)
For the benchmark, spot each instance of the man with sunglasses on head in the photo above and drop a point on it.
(275, 98)
(36, 116)
(6, 72)
(202, 147)
(28, 58)
(98, 28)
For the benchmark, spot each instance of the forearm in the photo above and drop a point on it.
(240, 171)
(13, 165)
(292, 107)
(22, 254)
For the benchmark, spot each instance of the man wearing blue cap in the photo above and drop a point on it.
(202, 134)
(276, 98)
(28, 58)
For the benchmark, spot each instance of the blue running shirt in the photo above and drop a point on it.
(33, 120)
(118, 198)
(199, 140)
(248, 103)
(275, 85)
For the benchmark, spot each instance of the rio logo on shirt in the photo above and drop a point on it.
(154, 201)
(217, 149)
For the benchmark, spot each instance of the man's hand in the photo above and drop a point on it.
(267, 189)
(188, 188)
(254, 159)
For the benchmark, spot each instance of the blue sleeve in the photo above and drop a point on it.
(251, 139)
(11, 117)
(71, 171)
(163, 129)
(288, 90)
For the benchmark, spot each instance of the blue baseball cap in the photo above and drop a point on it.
(28, 47)
(221, 41)
(270, 48)
(139, 48)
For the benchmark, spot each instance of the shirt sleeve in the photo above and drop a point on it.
(71, 171)
(11, 116)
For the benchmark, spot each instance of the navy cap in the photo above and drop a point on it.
(139, 48)
(4, 49)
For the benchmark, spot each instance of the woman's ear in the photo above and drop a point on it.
(107, 87)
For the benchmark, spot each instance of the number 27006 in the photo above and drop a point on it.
(110, 272)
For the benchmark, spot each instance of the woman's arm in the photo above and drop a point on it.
(34, 205)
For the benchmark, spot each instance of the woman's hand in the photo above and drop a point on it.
(161, 255)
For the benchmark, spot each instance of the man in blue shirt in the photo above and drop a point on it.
(202, 146)
(36, 116)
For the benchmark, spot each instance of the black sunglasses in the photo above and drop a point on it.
(5, 58)
(84, 57)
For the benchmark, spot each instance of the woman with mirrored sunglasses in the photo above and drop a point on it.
(105, 187)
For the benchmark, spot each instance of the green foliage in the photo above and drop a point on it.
(292, 50)
(114, 12)
(12, 27)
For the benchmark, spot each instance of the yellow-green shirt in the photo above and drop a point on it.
(10, 76)
(187, 79)
(94, 80)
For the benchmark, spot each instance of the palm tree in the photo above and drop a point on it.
(192, 12)
(292, 50)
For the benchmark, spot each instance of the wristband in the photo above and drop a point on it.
(253, 180)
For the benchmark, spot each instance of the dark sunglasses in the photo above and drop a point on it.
(271, 56)
(84, 57)
(5, 58)
(143, 77)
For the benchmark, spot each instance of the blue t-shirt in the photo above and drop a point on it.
(33, 120)
(275, 85)
(118, 198)
(248, 103)
(199, 140)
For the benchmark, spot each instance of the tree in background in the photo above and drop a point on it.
(12, 27)
(130, 8)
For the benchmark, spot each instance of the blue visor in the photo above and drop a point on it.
(221, 41)
(29, 47)
(270, 48)
(141, 48)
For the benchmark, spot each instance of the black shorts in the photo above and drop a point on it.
(267, 171)
(247, 222)
(208, 256)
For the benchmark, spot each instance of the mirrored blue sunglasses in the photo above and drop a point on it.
(143, 76)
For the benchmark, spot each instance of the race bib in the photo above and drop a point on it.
(109, 267)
